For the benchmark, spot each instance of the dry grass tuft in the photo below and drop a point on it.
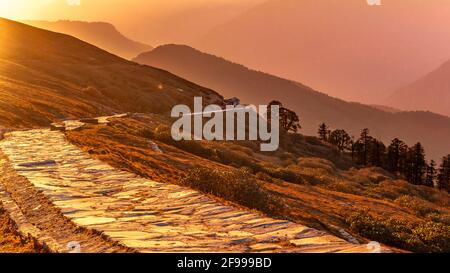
(237, 185)
(305, 181)
(423, 236)
(11, 241)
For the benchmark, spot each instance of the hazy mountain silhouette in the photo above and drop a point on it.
(230, 79)
(178, 21)
(103, 35)
(347, 49)
(46, 76)
(386, 108)
(431, 92)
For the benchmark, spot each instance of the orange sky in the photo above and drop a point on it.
(152, 21)
(86, 9)
(405, 38)
(344, 48)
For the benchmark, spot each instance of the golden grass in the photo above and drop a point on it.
(318, 190)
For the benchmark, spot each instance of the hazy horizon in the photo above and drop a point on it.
(100, 151)
(348, 50)
(155, 21)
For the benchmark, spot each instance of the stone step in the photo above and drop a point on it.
(147, 215)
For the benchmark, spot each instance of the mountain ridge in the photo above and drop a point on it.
(347, 49)
(430, 92)
(102, 34)
(60, 77)
(314, 107)
(48, 77)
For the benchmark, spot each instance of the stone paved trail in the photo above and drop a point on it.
(149, 216)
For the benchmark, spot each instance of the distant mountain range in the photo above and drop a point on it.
(431, 93)
(59, 77)
(47, 76)
(346, 49)
(231, 79)
(103, 35)
(179, 21)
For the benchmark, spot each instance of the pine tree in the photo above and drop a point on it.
(396, 156)
(289, 120)
(415, 165)
(353, 147)
(362, 147)
(431, 174)
(323, 132)
(377, 153)
(443, 181)
(292, 120)
(341, 139)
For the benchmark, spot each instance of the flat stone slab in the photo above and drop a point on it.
(38, 163)
(77, 124)
(146, 215)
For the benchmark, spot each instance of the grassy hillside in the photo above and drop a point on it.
(313, 107)
(46, 76)
(306, 181)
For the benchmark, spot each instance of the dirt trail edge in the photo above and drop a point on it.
(52, 181)
(35, 215)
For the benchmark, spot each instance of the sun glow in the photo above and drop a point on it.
(14, 9)
(8, 9)
(23, 9)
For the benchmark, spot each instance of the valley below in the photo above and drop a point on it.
(88, 163)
